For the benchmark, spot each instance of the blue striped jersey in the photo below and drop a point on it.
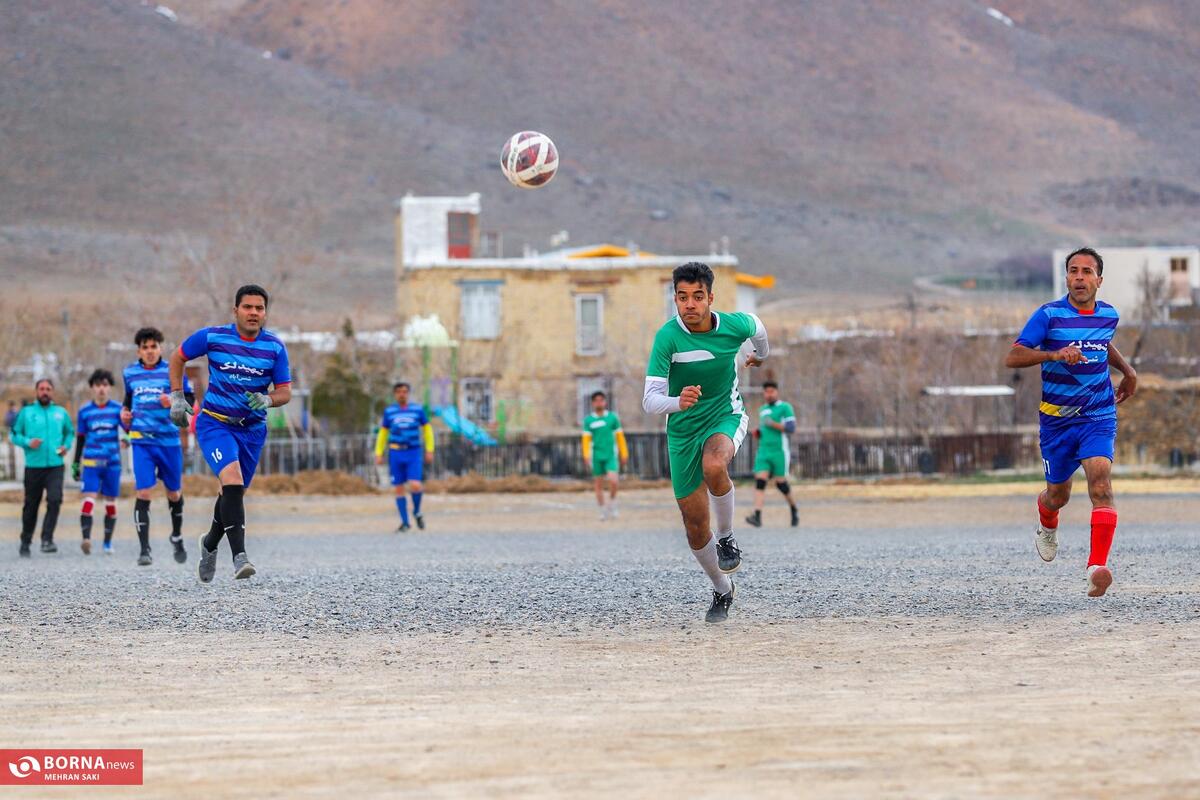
(237, 366)
(404, 424)
(100, 426)
(144, 388)
(1080, 391)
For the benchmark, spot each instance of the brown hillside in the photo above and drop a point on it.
(900, 139)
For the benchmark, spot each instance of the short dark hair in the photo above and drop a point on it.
(692, 272)
(599, 393)
(1086, 251)
(770, 385)
(398, 384)
(101, 376)
(146, 335)
(40, 381)
(251, 289)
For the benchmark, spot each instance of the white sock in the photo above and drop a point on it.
(722, 511)
(707, 556)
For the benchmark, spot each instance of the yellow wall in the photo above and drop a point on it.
(533, 363)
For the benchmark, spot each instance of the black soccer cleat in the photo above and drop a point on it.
(719, 610)
(24, 551)
(49, 547)
(729, 557)
(404, 528)
(420, 518)
(144, 560)
(795, 516)
(755, 519)
(180, 550)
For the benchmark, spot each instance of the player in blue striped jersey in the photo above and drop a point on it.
(157, 451)
(248, 373)
(1071, 339)
(98, 456)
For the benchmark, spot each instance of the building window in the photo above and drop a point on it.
(584, 387)
(480, 312)
(477, 400)
(589, 324)
(458, 234)
(1179, 265)
(669, 291)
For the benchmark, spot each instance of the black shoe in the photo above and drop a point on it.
(420, 518)
(795, 516)
(729, 557)
(755, 519)
(180, 550)
(719, 610)
(24, 551)
(144, 560)
(49, 547)
(404, 528)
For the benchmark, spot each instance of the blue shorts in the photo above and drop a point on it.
(103, 480)
(223, 444)
(1064, 446)
(153, 462)
(406, 465)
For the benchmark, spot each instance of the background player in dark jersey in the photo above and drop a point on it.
(406, 436)
(98, 456)
(248, 373)
(157, 451)
(1071, 340)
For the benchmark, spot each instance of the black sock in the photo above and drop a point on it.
(109, 524)
(85, 525)
(233, 517)
(216, 530)
(141, 523)
(176, 518)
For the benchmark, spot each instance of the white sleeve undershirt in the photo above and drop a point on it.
(759, 339)
(655, 399)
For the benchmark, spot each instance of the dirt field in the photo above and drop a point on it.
(889, 647)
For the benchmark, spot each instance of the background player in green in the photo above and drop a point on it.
(776, 420)
(692, 377)
(604, 451)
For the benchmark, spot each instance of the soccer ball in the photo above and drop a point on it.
(529, 159)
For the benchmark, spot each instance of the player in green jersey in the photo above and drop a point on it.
(775, 421)
(692, 377)
(604, 451)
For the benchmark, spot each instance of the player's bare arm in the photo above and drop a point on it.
(1021, 356)
(1128, 386)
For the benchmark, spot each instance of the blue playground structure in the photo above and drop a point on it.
(464, 427)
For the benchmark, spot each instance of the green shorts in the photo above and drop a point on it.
(773, 462)
(603, 465)
(687, 456)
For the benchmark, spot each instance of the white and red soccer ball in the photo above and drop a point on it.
(529, 159)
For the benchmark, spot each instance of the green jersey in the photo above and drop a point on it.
(603, 430)
(770, 438)
(707, 360)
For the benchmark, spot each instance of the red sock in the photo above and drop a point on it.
(86, 508)
(1104, 525)
(110, 510)
(1049, 518)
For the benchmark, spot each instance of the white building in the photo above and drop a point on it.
(1126, 270)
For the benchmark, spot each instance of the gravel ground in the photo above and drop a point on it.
(583, 624)
(606, 576)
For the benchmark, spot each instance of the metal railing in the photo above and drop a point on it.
(828, 455)
(354, 453)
